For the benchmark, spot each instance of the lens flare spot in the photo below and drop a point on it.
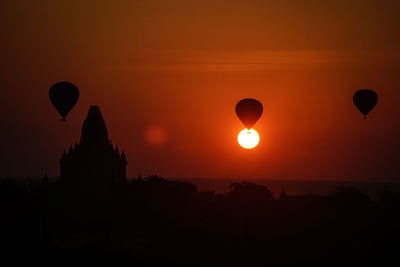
(155, 135)
(248, 138)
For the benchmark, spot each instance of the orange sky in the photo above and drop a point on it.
(167, 75)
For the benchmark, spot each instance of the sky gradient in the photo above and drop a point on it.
(167, 75)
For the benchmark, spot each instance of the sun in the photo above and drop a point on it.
(248, 138)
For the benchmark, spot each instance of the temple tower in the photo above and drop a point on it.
(94, 159)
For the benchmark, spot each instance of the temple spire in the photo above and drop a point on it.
(94, 129)
(123, 157)
(283, 194)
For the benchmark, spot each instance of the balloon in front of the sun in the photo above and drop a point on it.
(249, 110)
(248, 139)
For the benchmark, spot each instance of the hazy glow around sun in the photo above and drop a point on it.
(248, 138)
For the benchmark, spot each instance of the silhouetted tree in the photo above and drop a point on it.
(249, 192)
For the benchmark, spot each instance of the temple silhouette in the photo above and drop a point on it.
(94, 159)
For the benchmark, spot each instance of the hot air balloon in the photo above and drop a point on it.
(63, 96)
(365, 100)
(249, 110)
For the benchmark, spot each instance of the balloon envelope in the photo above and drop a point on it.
(63, 96)
(249, 110)
(365, 100)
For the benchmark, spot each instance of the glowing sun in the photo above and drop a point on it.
(248, 138)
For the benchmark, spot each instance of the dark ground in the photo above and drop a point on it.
(156, 222)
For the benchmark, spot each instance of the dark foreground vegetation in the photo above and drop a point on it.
(156, 222)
